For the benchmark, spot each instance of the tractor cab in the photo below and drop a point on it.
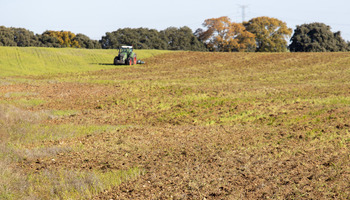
(126, 49)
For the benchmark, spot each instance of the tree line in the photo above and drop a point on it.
(24, 38)
(141, 38)
(265, 34)
(261, 34)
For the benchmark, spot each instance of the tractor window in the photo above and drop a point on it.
(127, 50)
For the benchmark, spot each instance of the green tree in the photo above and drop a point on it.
(6, 37)
(25, 38)
(271, 34)
(17, 37)
(47, 40)
(115, 39)
(85, 42)
(182, 39)
(149, 39)
(143, 38)
(316, 37)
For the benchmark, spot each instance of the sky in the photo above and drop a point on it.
(96, 17)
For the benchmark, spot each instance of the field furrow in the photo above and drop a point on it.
(186, 125)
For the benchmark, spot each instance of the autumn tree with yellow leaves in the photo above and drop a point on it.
(64, 38)
(227, 36)
(271, 34)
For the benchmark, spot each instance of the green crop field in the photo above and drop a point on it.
(186, 125)
(37, 61)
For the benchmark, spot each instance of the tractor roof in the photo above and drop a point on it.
(126, 47)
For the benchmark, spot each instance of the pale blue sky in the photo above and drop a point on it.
(95, 18)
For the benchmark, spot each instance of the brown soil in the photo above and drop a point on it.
(289, 146)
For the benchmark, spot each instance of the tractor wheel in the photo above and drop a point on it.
(130, 61)
(116, 60)
(135, 61)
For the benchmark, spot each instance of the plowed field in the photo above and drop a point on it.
(185, 125)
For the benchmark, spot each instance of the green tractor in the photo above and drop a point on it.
(126, 56)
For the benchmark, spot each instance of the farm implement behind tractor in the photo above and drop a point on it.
(126, 56)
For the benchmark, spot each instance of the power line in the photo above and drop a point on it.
(243, 7)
